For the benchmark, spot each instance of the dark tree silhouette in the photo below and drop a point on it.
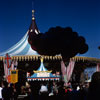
(58, 40)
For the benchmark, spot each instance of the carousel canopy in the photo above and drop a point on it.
(22, 50)
(23, 47)
(42, 74)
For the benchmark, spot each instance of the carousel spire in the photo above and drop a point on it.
(41, 59)
(33, 27)
(33, 15)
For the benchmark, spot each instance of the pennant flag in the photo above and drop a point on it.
(28, 74)
(63, 68)
(98, 67)
(8, 60)
(67, 71)
(14, 71)
(7, 66)
(70, 68)
(14, 65)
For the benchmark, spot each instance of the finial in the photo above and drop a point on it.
(41, 59)
(33, 15)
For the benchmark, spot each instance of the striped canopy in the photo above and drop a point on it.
(23, 47)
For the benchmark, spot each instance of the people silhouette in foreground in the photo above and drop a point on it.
(6, 91)
(94, 88)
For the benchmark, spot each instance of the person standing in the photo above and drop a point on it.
(11, 89)
(43, 90)
(55, 88)
(6, 91)
(0, 91)
(94, 87)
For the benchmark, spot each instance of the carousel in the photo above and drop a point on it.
(25, 55)
(42, 74)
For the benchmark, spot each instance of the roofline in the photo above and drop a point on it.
(36, 57)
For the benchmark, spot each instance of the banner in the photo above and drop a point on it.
(7, 67)
(67, 71)
(98, 67)
(14, 76)
(14, 65)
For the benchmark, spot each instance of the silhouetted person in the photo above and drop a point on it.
(94, 88)
(15, 94)
(43, 90)
(6, 91)
(55, 88)
(74, 94)
(11, 89)
(0, 91)
(30, 95)
(61, 89)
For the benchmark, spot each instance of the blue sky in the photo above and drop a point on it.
(82, 15)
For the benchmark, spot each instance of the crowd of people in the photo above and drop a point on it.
(53, 90)
(73, 91)
(7, 91)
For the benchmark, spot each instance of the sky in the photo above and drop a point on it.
(83, 16)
